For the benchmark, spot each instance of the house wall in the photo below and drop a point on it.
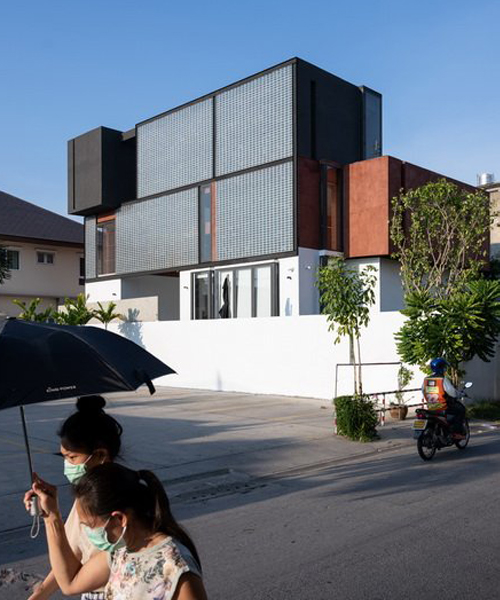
(166, 288)
(32, 280)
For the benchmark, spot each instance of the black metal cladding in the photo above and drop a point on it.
(101, 168)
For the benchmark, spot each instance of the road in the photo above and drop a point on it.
(347, 526)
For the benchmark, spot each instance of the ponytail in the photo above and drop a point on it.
(164, 520)
(110, 486)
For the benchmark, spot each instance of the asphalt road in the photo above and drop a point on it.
(296, 514)
(386, 527)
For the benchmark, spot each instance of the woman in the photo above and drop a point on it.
(89, 437)
(146, 555)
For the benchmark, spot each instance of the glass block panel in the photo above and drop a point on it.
(159, 233)
(175, 150)
(255, 213)
(90, 247)
(254, 122)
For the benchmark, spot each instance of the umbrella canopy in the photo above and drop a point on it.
(43, 361)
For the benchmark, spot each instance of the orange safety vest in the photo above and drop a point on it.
(434, 393)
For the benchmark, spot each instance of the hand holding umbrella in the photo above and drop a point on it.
(46, 494)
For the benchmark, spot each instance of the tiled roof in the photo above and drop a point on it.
(19, 218)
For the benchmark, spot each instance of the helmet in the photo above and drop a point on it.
(438, 366)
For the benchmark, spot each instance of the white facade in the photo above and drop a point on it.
(52, 282)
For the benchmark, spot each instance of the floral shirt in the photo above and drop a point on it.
(152, 574)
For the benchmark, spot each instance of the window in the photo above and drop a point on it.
(372, 124)
(106, 244)
(331, 208)
(225, 294)
(205, 226)
(240, 292)
(81, 278)
(202, 295)
(44, 258)
(244, 289)
(13, 260)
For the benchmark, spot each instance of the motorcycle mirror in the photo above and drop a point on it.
(468, 384)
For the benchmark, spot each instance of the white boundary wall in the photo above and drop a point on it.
(282, 355)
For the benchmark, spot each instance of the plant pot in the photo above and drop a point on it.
(398, 412)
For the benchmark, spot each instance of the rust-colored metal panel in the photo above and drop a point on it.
(371, 186)
(309, 203)
(370, 183)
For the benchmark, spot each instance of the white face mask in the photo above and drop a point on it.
(73, 472)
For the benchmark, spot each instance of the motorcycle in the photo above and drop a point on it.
(432, 430)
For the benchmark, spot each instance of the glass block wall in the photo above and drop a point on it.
(254, 122)
(255, 213)
(159, 233)
(175, 150)
(90, 247)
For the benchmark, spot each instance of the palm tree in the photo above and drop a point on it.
(106, 314)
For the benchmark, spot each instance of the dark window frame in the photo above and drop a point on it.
(210, 304)
(100, 228)
(234, 292)
(10, 262)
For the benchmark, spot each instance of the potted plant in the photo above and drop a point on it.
(398, 409)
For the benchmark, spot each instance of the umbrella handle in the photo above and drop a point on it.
(26, 442)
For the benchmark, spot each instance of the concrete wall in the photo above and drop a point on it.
(166, 288)
(52, 282)
(281, 355)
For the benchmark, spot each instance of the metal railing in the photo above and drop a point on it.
(380, 398)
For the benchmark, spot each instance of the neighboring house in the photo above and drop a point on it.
(45, 253)
(487, 182)
(213, 217)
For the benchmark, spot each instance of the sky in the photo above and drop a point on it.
(67, 66)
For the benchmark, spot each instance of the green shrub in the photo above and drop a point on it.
(485, 409)
(356, 418)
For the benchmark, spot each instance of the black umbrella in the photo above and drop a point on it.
(43, 361)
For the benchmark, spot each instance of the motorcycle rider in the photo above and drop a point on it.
(441, 395)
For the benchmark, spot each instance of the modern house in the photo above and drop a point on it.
(45, 251)
(214, 216)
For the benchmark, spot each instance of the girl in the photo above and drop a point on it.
(146, 555)
(89, 437)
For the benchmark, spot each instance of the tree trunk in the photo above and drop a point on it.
(360, 381)
(353, 362)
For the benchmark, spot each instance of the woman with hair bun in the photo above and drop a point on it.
(89, 437)
(146, 554)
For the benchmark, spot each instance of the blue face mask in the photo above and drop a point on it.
(74, 473)
(99, 538)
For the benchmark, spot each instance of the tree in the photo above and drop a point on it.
(346, 295)
(460, 327)
(29, 312)
(106, 314)
(440, 234)
(75, 311)
(4, 265)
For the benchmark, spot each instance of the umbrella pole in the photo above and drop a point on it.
(26, 443)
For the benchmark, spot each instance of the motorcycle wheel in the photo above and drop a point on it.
(425, 444)
(462, 444)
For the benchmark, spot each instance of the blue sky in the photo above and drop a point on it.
(68, 66)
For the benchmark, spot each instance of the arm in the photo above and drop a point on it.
(71, 576)
(45, 589)
(190, 587)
